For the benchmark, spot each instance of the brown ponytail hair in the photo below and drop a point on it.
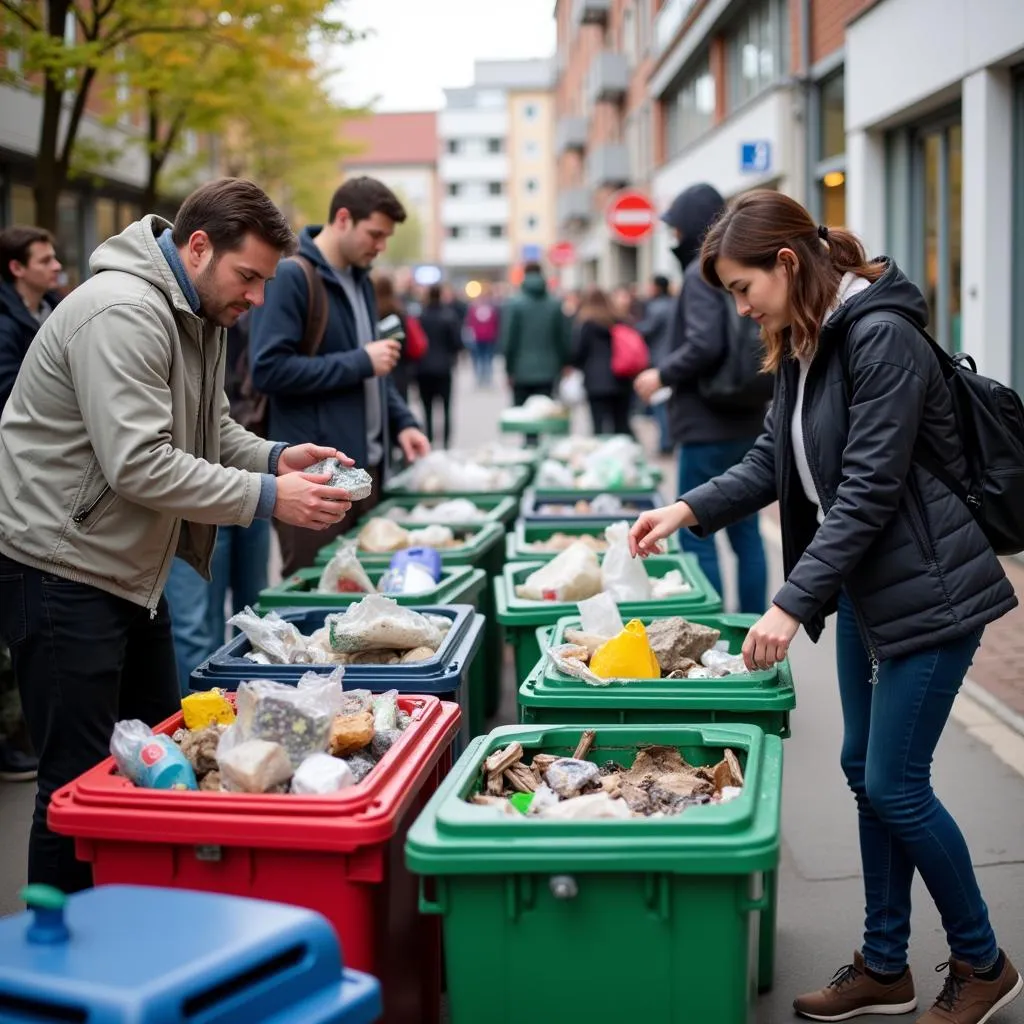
(596, 308)
(752, 230)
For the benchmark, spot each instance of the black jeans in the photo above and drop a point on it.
(84, 660)
(610, 414)
(434, 387)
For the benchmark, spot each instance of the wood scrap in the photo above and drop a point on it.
(521, 779)
(502, 759)
(585, 744)
(541, 763)
(734, 767)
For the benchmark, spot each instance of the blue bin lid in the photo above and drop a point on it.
(533, 508)
(125, 953)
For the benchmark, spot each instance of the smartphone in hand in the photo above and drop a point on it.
(390, 327)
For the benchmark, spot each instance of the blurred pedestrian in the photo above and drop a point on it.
(390, 303)
(29, 275)
(121, 399)
(656, 327)
(336, 388)
(871, 532)
(608, 396)
(622, 304)
(711, 438)
(434, 374)
(535, 338)
(483, 324)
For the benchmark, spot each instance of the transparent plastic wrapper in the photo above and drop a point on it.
(571, 390)
(360, 764)
(567, 658)
(326, 689)
(381, 536)
(357, 482)
(536, 407)
(606, 505)
(385, 711)
(588, 807)
(456, 510)
(344, 574)
(672, 584)
(567, 776)
(272, 636)
(553, 474)
(433, 536)
(379, 623)
(574, 575)
(152, 761)
(353, 701)
(599, 616)
(439, 472)
(253, 766)
(297, 719)
(320, 773)
(723, 663)
(257, 658)
(622, 575)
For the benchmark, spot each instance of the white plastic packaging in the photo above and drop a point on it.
(623, 576)
(320, 773)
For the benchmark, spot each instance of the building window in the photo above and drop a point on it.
(531, 149)
(495, 145)
(106, 219)
(532, 186)
(1017, 339)
(530, 111)
(830, 144)
(23, 205)
(495, 188)
(15, 62)
(531, 222)
(756, 51)
(453, 231)
(70, 241)
(690, 108)
(496, 231)
(629, 36)
(453, 188)
(451, 146)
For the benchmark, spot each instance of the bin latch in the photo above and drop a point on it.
(563, 887)
(209, 852)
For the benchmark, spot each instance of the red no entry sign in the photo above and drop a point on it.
(630, 216)
(562, 254)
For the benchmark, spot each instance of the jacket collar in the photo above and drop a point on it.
(13, 305)
(317, 258)
(170, 251)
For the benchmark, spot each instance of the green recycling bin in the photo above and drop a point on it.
(520, 617)
(484, 548)
(547, 426)
(500, 508)
(536, 913)
(401, 484)
(519, 540)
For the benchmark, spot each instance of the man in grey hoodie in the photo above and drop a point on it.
(117, 451)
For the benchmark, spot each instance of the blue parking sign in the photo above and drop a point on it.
(756, 157)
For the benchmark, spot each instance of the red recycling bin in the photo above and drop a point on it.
(340, 854)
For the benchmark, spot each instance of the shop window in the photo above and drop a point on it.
(829, 126)
(690, 107)
(757, 51)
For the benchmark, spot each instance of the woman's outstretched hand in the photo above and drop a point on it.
(658, 524)
(769, 638)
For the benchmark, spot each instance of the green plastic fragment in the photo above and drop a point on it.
(521, 801)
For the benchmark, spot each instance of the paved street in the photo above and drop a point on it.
(979, 773)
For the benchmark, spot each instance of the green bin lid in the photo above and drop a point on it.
(401, 484)
(525, 533)
(480, 541)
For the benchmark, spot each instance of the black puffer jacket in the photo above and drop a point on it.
(592, 353)
(915, 564)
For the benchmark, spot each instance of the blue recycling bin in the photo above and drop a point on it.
(128, 954)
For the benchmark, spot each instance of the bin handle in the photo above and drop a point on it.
(438, 905)
(761, 902)
(658, 896)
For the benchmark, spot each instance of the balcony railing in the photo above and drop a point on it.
(572, 206)
(608, 79)
(608, 166)
(570, 133)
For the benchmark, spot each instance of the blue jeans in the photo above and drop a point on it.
(659, 413)
(240, 562)
(187, 596)
(699, 463)
(483, 361)
(890, 732)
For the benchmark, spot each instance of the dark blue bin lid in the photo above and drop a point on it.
(124, 953)
(533, 506)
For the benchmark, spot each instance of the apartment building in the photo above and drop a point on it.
(840, 103)
(496, 170)
(400, 149)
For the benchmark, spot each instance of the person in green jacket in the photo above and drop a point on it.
(535, 338)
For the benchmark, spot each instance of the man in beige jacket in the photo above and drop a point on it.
(116, 453)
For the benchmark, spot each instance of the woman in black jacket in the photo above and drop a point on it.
(434, 371)
(867, 531)
(608, 396)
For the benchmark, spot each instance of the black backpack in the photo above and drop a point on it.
(990, 421)
(738, 384)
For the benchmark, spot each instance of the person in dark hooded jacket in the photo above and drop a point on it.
(710, 440)
(861, 408)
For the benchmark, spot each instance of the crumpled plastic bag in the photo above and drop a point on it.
(599, 616)
(723, 664)
(252, 766)
(141, 754)
(536, 407)
(344, 574)
(574, 575)
(554, 475)
(622, 575)
(672, 584)
(588, 807)
(297, 718)
(626, 656)
(380, 623)
(357, 482)
(320, 773)
(381, 536)
(433, 536)
(571, 390)
(438, 471)
(326, 689)
(607, 505)
(272, 636)
(567, 776)
(455, 510)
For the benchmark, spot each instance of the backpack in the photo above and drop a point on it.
(738, 384)
(990, 421)
(250, 406)
(630, 355)
(416, 341)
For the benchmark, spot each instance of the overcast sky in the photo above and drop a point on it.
(420, 47)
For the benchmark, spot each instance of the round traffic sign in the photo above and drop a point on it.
(630, 216)
(562, 254)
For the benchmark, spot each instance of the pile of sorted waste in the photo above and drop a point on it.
(601, 505)
(536, 407)
(441, 471)
(373, 631)
(454, 510)
(311, 738)
(615, 462)
(658, 784)
(382, 536)
(560, 541)
(577, 574)
(496, 455)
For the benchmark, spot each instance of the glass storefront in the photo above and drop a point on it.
(830, 137)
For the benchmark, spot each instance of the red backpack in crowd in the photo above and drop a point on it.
(416, 343)
(630, 355)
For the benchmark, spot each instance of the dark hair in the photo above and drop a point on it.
(16, 243)
(753, 229)
(228, 210)
(533, 267)
(596, 308)
(387, 300)
(660, 281)
(363, 197)
(434, 295)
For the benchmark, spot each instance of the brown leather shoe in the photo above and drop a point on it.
(966, 999)
(852, 992)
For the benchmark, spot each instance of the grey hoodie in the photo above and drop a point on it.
(117, 449)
